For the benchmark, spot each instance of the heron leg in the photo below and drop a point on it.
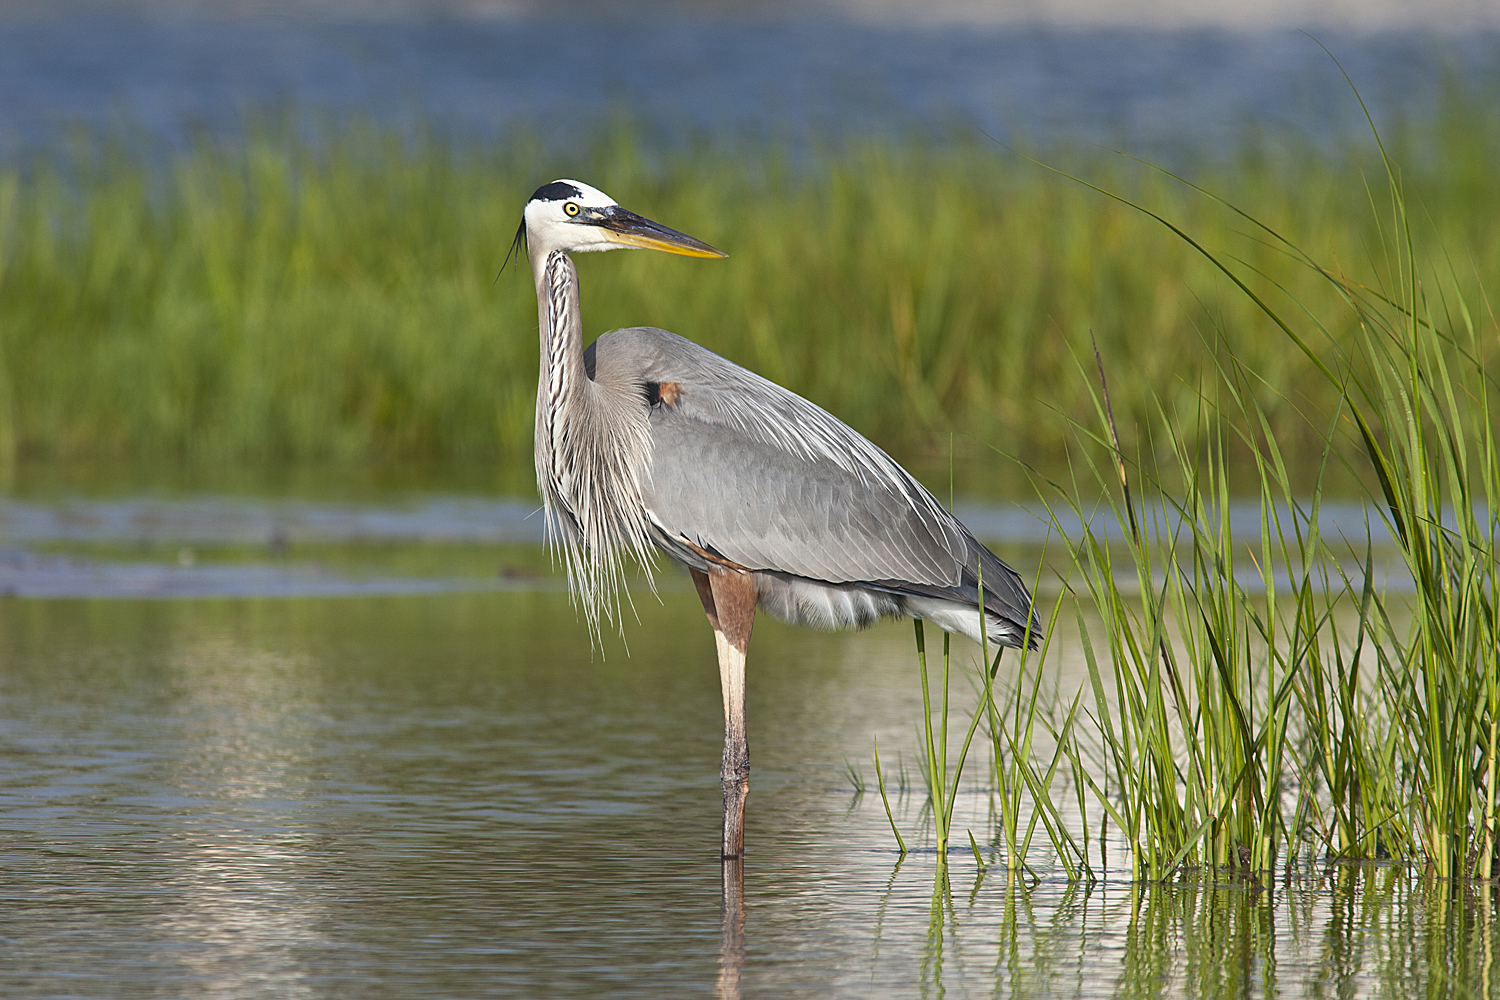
(729, 598)
(731, 931)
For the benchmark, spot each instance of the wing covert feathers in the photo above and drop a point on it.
(760, 477)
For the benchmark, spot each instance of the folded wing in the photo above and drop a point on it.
(745, 471)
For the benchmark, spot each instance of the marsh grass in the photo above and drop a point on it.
(1022, 788)
(1426, 425)
(932, 743)
(886, 801)
(856, 778)
(329, 294)
(1206, 672)
(1250, 702)
(1020, 791)
(1192, 706)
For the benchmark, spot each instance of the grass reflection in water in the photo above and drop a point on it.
(441, 795)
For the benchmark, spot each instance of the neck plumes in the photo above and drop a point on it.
(593, 445)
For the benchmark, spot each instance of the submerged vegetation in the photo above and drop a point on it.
(331, 294)
(1252, 704)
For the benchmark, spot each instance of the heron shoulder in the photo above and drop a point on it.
(707, 389)
(644, 353)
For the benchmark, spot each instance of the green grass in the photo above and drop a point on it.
(1252, 703)
(333, 297)
(1243, 717)
(1191, 701)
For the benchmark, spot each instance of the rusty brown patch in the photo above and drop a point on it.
(706, 595)
(735, 595)
(670, 392)
(714, 558)
(729, 595)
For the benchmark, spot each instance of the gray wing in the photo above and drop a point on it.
(749, 472)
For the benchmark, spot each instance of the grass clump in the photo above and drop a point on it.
(1219, 684)
(1020, 793)
(1193, 708)
(332, 296)
(1426, 423)
(1256, 699)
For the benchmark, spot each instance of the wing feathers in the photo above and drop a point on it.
(749, 470)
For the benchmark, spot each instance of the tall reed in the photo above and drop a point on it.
(1206, 671)
(1193, 709)
(1023, 784)
(332, 296)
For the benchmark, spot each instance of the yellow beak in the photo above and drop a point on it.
(631, 230)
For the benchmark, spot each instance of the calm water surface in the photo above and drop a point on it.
(453, 795)
(168, 72)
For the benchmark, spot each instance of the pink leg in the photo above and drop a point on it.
(729, 598)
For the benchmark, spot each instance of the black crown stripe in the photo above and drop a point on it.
(556, 191)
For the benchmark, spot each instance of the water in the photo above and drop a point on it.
(215, 545)
(170, 72)
(438, 796)
(452, 794)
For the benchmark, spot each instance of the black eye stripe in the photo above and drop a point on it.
(556, 191)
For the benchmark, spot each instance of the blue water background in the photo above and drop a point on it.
(163, 78)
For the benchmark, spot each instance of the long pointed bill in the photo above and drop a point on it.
(629, 229)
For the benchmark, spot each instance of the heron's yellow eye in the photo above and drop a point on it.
(571, 208)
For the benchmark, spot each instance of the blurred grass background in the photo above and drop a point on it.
(330, 295)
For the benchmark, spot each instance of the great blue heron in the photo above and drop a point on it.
(645, 440)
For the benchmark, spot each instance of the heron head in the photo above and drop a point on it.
(571, 216)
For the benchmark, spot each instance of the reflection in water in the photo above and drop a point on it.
(1338, 930)
(731, 930)
(941, 909)
(455, 796)
(247, 720)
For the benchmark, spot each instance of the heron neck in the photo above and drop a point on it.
(560, 324)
